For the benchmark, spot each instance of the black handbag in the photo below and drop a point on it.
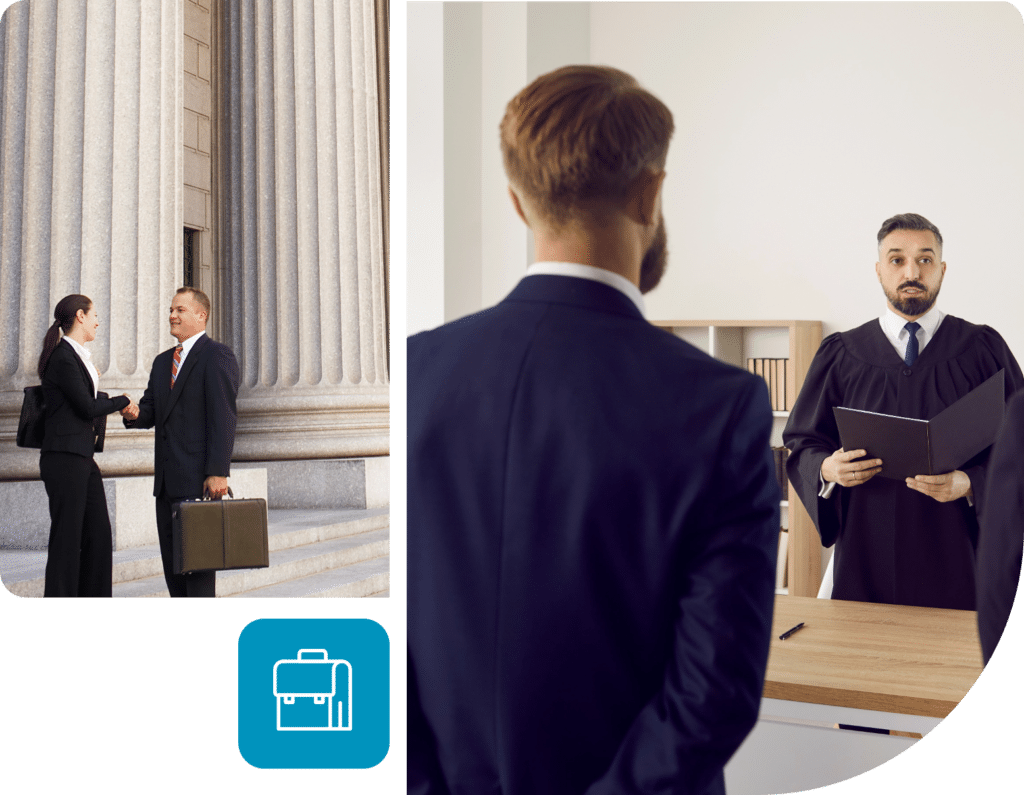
(218, 535)
(31, 428)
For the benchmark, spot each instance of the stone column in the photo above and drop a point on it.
(90, 195)
(299, 200)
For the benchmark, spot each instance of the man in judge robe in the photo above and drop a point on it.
(592, 514)
(1001, 544)
(897, 542)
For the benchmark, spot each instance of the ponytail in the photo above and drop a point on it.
(64, 315)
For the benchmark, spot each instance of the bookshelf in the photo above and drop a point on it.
(736, 341)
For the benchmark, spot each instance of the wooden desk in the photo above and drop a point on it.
(881, 666)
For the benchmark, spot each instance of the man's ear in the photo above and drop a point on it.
(642, 201)
(517, 205)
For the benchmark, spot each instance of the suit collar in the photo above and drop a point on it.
(584, 293)
(620, 283)
(73, 350)
(189, 344)
(191, 362)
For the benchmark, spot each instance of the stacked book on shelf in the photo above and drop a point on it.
(774, 372)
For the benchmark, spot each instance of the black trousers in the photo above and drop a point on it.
(200, 583)
(79, 557)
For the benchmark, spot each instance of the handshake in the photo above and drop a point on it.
(131, 411)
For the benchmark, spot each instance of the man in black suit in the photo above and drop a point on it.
(190, 401)
(592, 507)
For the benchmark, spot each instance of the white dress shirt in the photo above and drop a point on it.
(186, 346)
(620, 283)
(86, 357)
(893, 328)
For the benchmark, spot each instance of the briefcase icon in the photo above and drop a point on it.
(313, 693)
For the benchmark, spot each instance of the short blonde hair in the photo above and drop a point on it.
(198, 296)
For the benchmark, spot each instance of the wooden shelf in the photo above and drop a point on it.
(734, 341)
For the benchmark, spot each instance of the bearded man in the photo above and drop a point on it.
(897, 542)
(592, 516)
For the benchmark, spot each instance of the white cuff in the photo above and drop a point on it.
(826, 488)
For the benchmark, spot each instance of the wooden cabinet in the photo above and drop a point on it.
(736, 341)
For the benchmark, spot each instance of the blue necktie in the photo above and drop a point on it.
(911, 355)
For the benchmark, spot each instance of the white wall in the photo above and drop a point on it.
(799, 129)
(425, 153)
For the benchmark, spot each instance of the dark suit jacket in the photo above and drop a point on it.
(195, 422)
(593, 522)
(1001, 539)
(74, 421)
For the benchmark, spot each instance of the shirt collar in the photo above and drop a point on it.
(575, 269)
(83, 352)
(186, 346)
(893, 324)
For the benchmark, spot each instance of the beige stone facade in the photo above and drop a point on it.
(197, 124)
(253, 123)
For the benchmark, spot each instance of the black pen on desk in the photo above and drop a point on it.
(789, 632)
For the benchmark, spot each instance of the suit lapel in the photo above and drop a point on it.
(191, 361)
(81, 365)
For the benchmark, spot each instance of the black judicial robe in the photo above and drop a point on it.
(895, 545)
(1001, 543)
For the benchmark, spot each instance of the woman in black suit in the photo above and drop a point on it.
(80, 554)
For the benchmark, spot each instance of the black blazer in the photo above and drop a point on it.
(593, 522)
(195, 422)
(75, 421)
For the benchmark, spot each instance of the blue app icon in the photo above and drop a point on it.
(313, 693)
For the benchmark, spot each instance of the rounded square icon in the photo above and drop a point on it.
(314, 693)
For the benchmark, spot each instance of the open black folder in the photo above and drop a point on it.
(911, 447)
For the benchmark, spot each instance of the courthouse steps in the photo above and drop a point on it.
(313, 552)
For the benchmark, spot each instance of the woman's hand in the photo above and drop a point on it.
(131, 411)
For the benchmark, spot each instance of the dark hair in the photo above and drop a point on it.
(64, 318)
(582, 132)
(198, 296)
(909, 221)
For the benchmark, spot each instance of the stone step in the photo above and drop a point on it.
(366, 578)
(294, 527)
(331, 562)
(303, 543)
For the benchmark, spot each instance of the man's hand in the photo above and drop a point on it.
(215, 486)
(943, 488)
(131, 411)
(842, 469)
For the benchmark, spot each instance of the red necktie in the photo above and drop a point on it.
(174, 364)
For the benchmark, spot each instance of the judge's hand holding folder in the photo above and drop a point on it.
(843, 468)
(926, 454)
(943, 488)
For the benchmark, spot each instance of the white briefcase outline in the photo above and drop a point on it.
(318, 697)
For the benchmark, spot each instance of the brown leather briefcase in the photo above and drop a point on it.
(216, 535)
